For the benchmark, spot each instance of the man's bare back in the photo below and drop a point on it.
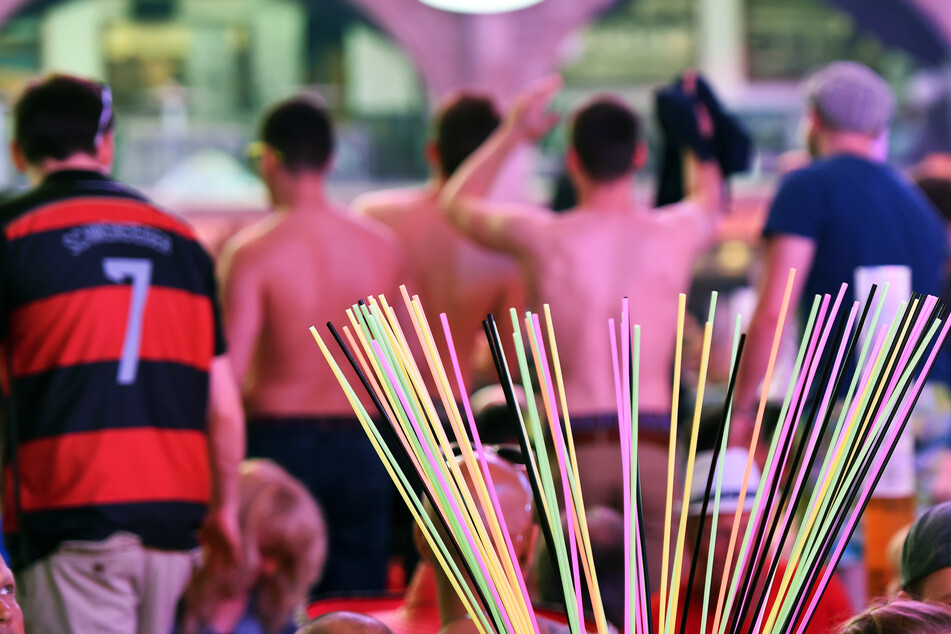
(284, 274)
(584, 262)
(449, 272)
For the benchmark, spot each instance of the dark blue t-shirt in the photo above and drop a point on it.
(861, 215)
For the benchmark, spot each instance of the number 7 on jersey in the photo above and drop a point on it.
(139, 270)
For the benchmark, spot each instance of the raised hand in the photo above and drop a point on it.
(529, 116)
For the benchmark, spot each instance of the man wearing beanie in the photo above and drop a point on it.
(847, 217)
(926, 556)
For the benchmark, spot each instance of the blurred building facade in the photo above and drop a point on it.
(191, 77)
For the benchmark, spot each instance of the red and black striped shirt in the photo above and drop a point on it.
(111, 322)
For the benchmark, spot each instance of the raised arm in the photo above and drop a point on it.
(703, 185)
(499, 226)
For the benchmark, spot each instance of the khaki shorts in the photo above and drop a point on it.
(110, 586)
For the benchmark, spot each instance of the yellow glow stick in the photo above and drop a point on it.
(757, 425)
(581, 526)
(477, 616)
(671, 459)
(691, 457)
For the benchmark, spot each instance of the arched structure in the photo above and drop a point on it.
(498, 53)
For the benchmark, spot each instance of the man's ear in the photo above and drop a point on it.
(269, 159)
(16, 154)
(640, 156)
(814, 121)
(106, 151)
(432, 157)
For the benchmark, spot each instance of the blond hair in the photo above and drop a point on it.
(284, 548)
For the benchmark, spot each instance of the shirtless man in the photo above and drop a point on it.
(585, 261)
(305, 264)
(452, 274)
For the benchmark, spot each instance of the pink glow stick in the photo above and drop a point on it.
(878, 465)
(816, 428)
(385, 364)
(760, 514)
(561, 451)
(629, 470)
(625, 468)
(916, 329)
(490, 485)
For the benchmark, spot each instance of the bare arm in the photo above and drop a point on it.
(783, 252)
(703, 185)
(502, 227)
(226, 447)
(242, 307)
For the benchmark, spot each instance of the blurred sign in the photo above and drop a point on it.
(480, 6)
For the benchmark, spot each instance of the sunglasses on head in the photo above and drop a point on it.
(105, 94)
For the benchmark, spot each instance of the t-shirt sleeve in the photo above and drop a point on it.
(798, 208)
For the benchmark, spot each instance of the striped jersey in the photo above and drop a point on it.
(110, 320)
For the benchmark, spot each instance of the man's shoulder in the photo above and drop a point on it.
(682, 218)
(393, 204)
(838, 169)
(60, 203)
(251, 241)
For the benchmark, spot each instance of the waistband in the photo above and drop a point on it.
(304, 423)
(651, 427)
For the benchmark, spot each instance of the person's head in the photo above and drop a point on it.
(462, 123)
(901, 616)
(344, 623)
(926, 556)
(62, 122)
(284, 548)
(492, 415)
(515, 499)
(847, 104)
(11, 616)
(296, 140)
(731, 475)
(605, 143)
(606, 530)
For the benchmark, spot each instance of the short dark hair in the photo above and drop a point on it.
(59, 116)
(463, 123)
(299, 129)
(604, 135)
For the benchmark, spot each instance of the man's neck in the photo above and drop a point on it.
(303, 194)
(851, 144)
(79, 162)
(615, 195)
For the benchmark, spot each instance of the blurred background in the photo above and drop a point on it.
(191, 77)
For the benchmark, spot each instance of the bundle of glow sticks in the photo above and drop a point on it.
(852, 390)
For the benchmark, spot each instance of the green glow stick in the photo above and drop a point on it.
(544, 472)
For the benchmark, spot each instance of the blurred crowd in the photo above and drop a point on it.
(178, 456)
